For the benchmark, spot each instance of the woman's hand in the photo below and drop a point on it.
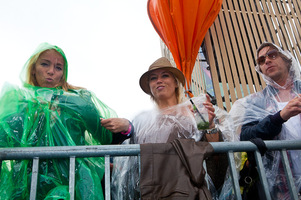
(211, 114)
(115, 125)
(212, 137)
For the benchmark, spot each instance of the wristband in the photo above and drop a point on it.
(211, 131)
(128, 131)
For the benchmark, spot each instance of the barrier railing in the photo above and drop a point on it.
(107, 151)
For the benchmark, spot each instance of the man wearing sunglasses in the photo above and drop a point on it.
(273, 114)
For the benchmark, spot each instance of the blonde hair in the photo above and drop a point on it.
(31, 79)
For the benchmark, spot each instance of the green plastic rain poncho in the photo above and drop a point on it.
(33, 116)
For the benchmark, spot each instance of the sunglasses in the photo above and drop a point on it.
(273, 54)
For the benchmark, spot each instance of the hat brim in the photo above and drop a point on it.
(144, 81)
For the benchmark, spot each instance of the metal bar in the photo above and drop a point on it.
(262, 175)
(234, 175)
(243, 146)
(34, 178)
(127, 150)
(139, 167)
(107, 178)
(72, 178)
(139, 164)
(68, 151)
(289, 176)
(132, 150)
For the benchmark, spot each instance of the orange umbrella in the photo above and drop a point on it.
(182, 25)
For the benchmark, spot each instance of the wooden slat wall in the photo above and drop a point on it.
(232, 40)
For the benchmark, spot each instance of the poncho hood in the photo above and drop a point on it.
(294, 69)
(41, 48)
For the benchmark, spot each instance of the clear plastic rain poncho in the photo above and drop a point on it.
(257, 108)
(33, 116)
(160, 126)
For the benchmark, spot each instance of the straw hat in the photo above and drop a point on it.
(161, 63)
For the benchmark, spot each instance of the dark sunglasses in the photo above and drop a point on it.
(273, 54)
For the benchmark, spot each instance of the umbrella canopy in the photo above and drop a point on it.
(182, 25)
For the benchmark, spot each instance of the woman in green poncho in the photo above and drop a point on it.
(48, 111)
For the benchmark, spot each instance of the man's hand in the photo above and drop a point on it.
(292, 108)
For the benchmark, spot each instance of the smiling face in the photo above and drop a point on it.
(163, 85)
(49, 69)
(275, 68)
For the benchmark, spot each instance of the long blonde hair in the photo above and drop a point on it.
(31, 63)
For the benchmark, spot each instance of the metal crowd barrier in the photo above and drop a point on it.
(107, 151)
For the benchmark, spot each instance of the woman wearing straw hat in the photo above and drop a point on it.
(47, 111)
(164, 83)
(173, 117)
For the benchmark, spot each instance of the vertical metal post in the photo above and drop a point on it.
(72, 177)
(289, 176)
(107, 178)
(139, 169)
(34, 178)
(234, 175)
(262, 175)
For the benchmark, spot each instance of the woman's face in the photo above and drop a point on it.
(162, 84)
(49, 69)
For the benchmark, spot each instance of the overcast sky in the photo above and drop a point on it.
(109, 44)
